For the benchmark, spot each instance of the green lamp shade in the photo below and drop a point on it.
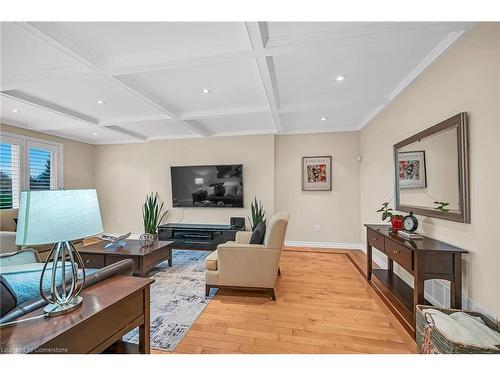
(48, 216)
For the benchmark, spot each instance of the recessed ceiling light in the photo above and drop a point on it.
(206, 91)
(101, 102)
(15, 110)
(324, 118)
(95, 133)
(340, 78)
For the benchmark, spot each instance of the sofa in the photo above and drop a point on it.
(12, 306)
(241, 265)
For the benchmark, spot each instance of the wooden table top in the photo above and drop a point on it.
(424, 244)
(33, 334)
(133, 248)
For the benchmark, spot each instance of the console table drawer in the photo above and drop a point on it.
(399, 254)
(376, 240)
(93, 260)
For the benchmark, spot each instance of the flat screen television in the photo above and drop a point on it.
(207, 186)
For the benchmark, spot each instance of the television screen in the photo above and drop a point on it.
(207, 186)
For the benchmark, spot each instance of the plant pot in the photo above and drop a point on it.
(397, 223)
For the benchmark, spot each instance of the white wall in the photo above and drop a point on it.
(465, 79)
(336, 211)
(126, 173)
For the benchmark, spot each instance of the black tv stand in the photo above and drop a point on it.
(196, 236)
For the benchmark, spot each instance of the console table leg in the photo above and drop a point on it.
(456, 284)
(144, 329)
(368, 262)
(418, 288)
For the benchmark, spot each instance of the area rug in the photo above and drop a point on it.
(177, 298)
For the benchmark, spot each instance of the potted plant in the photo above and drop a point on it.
(152, 215)
(388, 213)
(258, 213)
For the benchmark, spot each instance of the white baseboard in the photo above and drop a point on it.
(325, 245)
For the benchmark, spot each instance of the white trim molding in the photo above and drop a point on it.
(325, 245)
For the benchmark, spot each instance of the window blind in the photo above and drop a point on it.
(10, 175)
(42, 169)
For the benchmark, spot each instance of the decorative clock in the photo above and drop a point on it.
(410, 223)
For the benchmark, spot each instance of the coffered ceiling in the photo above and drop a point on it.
(123, 82)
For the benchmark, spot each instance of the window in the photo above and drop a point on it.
(27, 163)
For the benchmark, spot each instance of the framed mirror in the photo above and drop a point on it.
(432, 171)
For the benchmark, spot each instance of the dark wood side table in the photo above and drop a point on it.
(425, 259)
(145, 258)
(110, 309)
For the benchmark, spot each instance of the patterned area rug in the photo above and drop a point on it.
(177, 298)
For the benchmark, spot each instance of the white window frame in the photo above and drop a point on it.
(25, 143)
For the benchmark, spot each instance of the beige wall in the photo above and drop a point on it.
(124, 174)
(78, 165)
(465, 79)
(336, 211)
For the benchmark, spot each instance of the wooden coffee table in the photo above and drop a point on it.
(145, 258)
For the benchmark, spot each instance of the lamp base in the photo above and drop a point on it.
(54, 309)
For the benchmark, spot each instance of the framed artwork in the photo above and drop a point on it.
(411, 167)
(316, 173)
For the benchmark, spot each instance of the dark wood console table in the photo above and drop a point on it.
(425, 259)
(110, 309)
(196, 236)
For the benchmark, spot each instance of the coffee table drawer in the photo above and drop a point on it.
(399, 254)
(155, 257)
(93, 260)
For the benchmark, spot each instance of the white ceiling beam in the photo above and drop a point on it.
(218, 56)
(258, 35)
(83, 55)
(64, 112)
(230, 112)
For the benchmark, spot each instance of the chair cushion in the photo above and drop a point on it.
(258, 234)
(211, 261)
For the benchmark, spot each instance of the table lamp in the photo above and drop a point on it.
(59, 217)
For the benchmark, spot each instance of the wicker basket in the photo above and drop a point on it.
(430, 340)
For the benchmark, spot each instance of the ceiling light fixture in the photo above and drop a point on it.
(15, 110)
(324, 118)
(340, 78)
(95, 134)
(206, 91)
(101, 102)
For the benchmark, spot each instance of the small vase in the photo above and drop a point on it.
(148, 239)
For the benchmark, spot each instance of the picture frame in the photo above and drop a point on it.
(412, 170)
(317, 173)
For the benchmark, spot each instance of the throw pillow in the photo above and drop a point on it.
(258, 234)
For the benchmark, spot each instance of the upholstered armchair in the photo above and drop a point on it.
(241, 265)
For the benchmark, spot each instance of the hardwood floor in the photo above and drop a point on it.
(324, 306)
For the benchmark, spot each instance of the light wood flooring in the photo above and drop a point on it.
(324, 306)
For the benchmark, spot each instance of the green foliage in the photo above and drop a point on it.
(258, 213)
(386, 211)
(152, 213)
(442, 206)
